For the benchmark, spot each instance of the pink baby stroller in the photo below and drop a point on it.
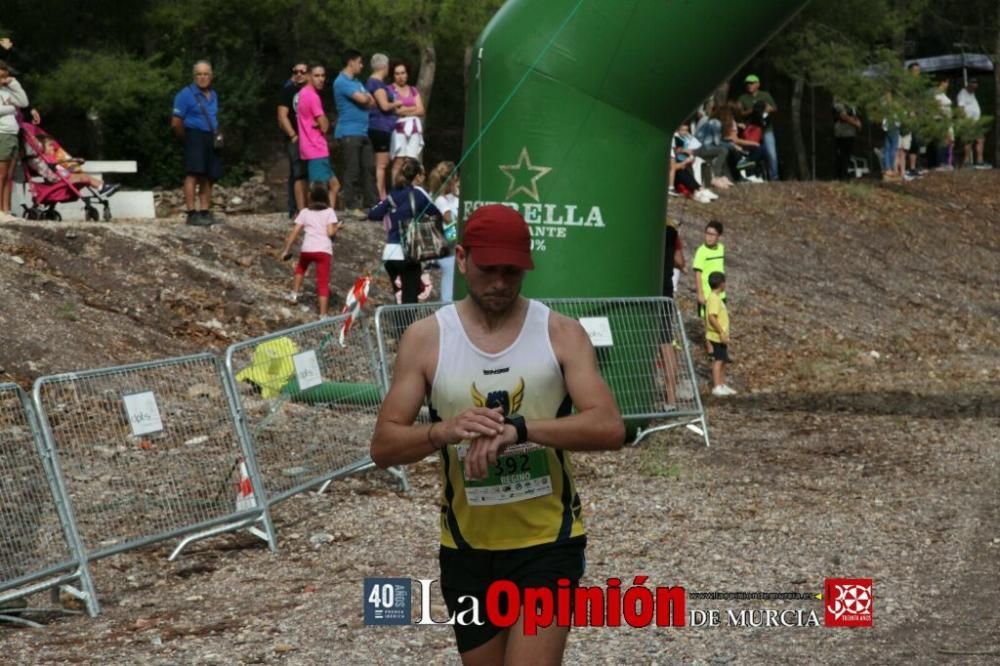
(54, 177)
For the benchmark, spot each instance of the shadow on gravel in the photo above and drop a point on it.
(889, 403)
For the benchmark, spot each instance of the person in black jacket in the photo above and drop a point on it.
(393, 210)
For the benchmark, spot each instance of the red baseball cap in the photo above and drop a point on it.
(500, 237)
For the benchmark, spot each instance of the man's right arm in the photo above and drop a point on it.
(696, 265)
(285, 124)
(323, 123)
(361, 97)
(713, 322)
(177, 119)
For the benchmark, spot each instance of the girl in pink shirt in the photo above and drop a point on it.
(320, 225)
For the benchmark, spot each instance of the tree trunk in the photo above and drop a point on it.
(801, 158)
(428, 66)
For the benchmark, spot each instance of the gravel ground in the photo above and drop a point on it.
(832, 461)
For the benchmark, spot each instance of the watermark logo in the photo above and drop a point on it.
(387, 601)
(848, 602)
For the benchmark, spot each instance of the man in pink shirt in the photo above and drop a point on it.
(313, 128)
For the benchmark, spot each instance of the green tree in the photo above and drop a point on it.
(409, 28)
(831, 45)
(120, 95)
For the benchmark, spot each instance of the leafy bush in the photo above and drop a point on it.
(126, 102)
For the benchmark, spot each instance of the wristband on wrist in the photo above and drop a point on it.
(430, 440)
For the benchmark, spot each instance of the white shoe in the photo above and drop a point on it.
(710, 194)
(719, 391)
(701, 197)
(293, 297)
(726, 390)
(754, 179)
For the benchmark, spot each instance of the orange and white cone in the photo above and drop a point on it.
(244, 490)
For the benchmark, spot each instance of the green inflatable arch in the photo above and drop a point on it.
(570, 112)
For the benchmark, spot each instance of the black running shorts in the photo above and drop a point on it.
(470, 572)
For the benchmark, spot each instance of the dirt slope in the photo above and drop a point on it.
(832, 461)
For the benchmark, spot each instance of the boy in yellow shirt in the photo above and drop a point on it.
(717, 333)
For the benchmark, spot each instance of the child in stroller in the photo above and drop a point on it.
(53, 176)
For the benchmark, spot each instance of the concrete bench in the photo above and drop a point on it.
(124, 204)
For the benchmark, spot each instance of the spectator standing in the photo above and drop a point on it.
(846, 124)
(17, 64)
(195, 121)
(393, 211)
(674, 262)
(970, 107)
(444, 182)
(710, 257)
(381, 118)
(717, 333)
(915, 143)
(890, 125)
(320, 224)
(408, 137)
(943, 145)
(288, 101)
(12, 99)
(313, 128)
(746, 102)
(673, 265)
(353, 103)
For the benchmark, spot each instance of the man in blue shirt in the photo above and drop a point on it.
(353, 103)
(195, 121)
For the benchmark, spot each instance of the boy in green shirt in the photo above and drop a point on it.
(708, 258)
(717, 334)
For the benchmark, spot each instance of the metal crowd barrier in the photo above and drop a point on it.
(39, 548)
(642, 351)
(150, 452)
(307, 403)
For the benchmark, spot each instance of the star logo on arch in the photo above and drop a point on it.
(521, 178)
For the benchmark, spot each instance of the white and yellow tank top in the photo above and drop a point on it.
(529, 497)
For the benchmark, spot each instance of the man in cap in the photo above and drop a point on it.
(746, 102)
(501, 375)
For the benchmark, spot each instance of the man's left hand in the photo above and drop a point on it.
(483, 452)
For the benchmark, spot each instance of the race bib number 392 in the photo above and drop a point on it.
(521, 473)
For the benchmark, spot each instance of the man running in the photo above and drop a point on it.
(502, 374)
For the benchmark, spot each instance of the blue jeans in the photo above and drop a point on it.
(771, 152)
(889, 150)
(710, 133)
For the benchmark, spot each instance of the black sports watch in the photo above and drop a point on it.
(520, 426)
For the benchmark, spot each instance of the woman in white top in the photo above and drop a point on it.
(444, 185)
(408, 135)
(12, 98)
